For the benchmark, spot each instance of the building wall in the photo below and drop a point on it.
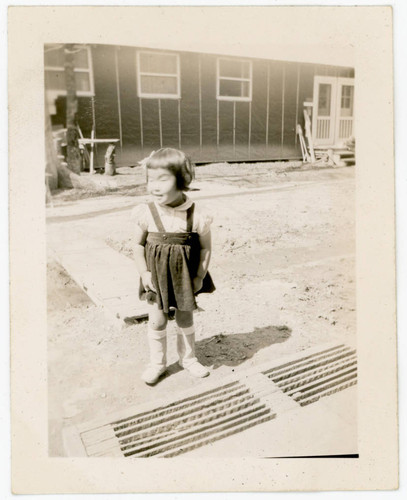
(264, 129)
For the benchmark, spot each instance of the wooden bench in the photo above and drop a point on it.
(92, 141)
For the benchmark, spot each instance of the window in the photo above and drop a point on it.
(324, 99)
(54, 59)
(347, 100)
(158, 75)
(234, 80)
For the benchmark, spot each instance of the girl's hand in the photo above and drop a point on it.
(147, 281)
(197, 284)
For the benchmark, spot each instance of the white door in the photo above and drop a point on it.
(323, 113)
(332, 117)
(344, 109)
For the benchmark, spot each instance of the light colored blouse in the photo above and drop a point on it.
(174, 219)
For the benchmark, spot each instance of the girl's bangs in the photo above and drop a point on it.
(165, 159)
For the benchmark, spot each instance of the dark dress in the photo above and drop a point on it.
(173, 260)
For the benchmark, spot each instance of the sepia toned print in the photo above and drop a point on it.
(272, 362)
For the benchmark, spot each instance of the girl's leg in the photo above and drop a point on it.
(186, 344)
(157, 342)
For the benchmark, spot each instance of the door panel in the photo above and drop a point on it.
(323, 124)
(344, 106)
(332, 121)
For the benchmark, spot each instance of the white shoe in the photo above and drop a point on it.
(196, 369)
(152, 373)
(187, 358)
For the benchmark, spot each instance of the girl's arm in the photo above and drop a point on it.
(205, 257)
(140, 259)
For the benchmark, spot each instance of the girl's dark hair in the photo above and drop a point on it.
(176, 162)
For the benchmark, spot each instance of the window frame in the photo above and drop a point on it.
(54, 93)
(219, 97)
(149, 95)
(349, 99)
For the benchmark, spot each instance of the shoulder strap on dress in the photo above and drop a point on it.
(156, 217)
(190, 218)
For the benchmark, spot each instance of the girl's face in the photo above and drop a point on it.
(162, 185)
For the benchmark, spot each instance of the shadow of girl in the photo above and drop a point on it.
(232, 350)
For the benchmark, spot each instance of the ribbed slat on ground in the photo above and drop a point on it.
(213, 412)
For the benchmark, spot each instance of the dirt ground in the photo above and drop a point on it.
(283, 264)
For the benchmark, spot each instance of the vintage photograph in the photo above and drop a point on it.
(207, 194)
(201, 260)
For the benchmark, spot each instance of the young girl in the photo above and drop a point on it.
(172, 253)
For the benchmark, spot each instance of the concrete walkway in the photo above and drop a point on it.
(109, 278)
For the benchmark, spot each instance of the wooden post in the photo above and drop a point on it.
(118, 95)
(73, 154)
(160, 123)
(110, 167)
(217, 128)
(200, 104)
(250, 126)
(93, 121)
(282, 114)
(308, 134)
(141, 124)
(179, 123)
(92, 151)
(234, 129)
(297, 98)
(268, 106)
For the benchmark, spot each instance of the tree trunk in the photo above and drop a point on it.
(57, 173)
(51, 158)
(73, 153)
(110, 167)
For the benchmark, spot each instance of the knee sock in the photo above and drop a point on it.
(157, 342)
(186, 345)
